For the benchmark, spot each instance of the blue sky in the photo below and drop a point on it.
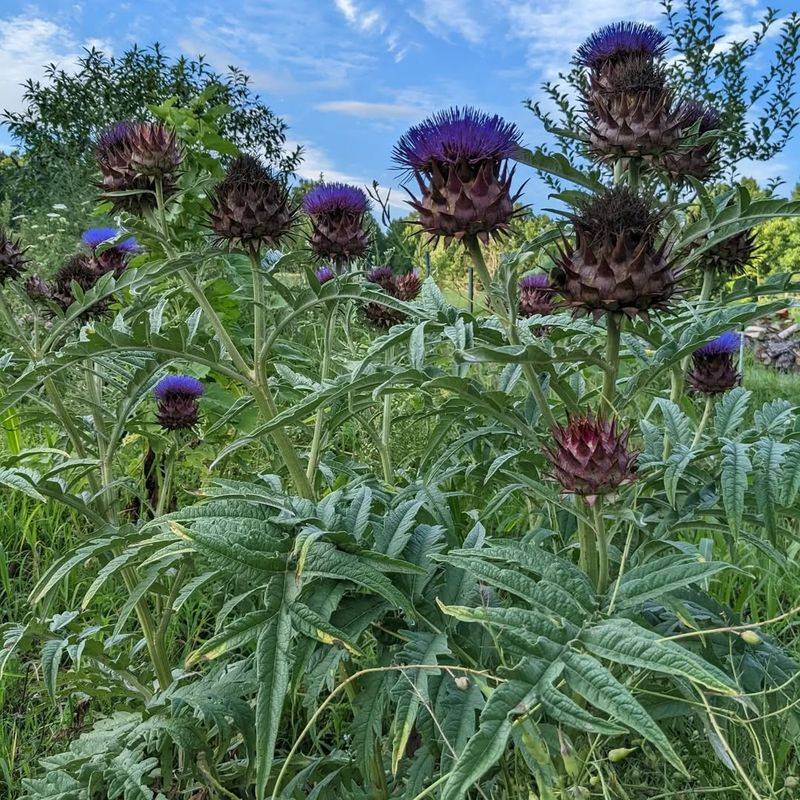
(350, 76)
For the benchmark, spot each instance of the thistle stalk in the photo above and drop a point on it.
(319, 422)
(709, 407)
(613, 329)
(474, 249)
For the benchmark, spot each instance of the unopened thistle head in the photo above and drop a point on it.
(459, 158)
(589, 456)
(630, 109)
(535, 296)
(713, 370)
(12, 257)
(136, 157)
(699, 160)
(403, 287)
(251, 208)
(178, 400)
(731, 256)
(616, 264)
(338, 221)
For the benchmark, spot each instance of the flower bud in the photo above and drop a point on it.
(12, 258)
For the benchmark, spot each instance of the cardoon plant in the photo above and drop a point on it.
(535, 296)
(403, 287)
(338, 222)
(695, 160)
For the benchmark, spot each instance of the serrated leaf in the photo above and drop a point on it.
(735, 468)
(729, 411)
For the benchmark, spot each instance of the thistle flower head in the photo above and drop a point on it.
(250, 207)
(590, 456)
(337, 213)
(616, 264)
(325, 274)
(12, 258)
(618, 40)
(616, 211)
(404, 287)
(456, 136)
(713, 371)
(136, 157)
(459, 159)
(94, 237)
(535, 296)
(178, 384)
(380, 276)
(178, 399)
(329, 198)
(693, 112)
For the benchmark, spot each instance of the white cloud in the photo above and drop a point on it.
(360, 108)
(445, 17)
(364, 20)
(27, 45)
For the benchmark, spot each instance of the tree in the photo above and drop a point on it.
(64, 113)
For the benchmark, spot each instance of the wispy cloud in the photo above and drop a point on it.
(361, 108)
(365, 19)
(447, 17)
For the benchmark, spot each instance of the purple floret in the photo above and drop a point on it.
(184, 385)
(329, 197)
(115, 134)
(728, 343)
(325, 274)
(456, 135)
(94, 237)
(621, 39)
(535, 282)
(380, 275)
(129, 245)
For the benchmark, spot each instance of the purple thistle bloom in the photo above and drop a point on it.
(535, 282)
(178, 399)
(621, 39)
(114, 135)
(129, 245)
(380, 275)
(325, 274)
(456, 135)
(726, 344)
(329, 197)
(178, 385)
(94, 237)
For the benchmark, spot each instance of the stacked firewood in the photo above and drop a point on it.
(776, 342)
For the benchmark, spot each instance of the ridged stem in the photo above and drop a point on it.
(319, 422)
(613, 329)
(386, 433)
(587, 541)
(602, 546)
(709, 407)
(474, 249)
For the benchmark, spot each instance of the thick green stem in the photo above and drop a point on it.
(709, 284)
(386, 434)
(588, 549)
(634, 167)
(709, 407)
(613, 326)
(602, 546)
(474, 249)
(319, 422)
